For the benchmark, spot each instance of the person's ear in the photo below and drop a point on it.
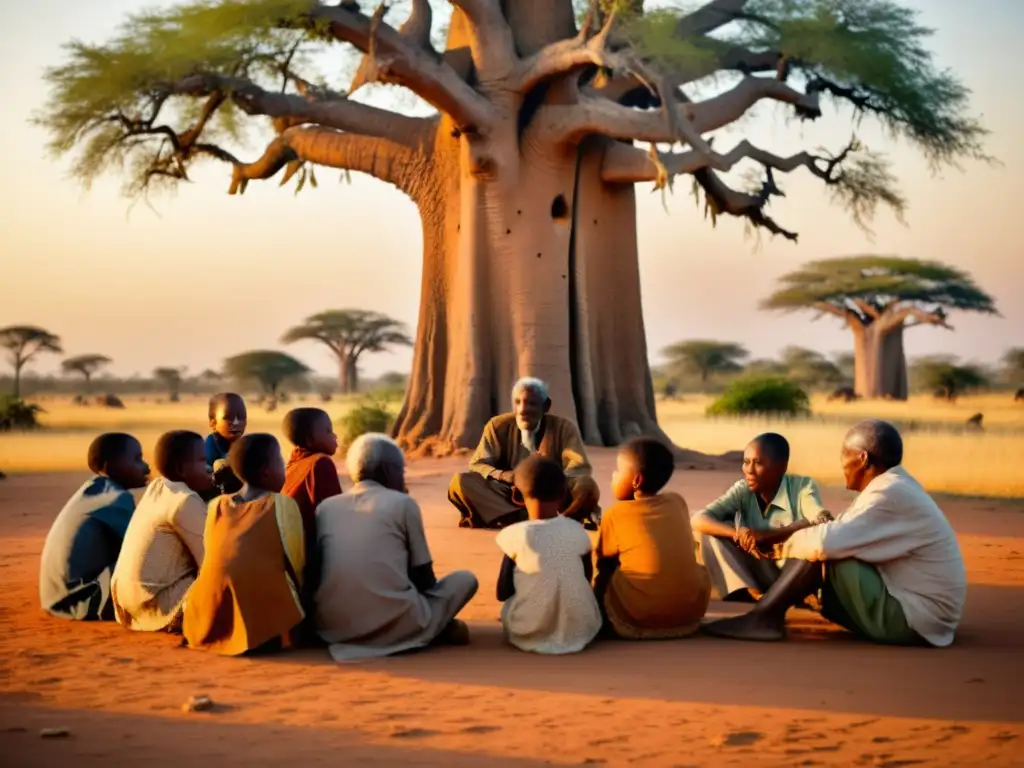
(517, 497)
(547, 405)
(638, 481)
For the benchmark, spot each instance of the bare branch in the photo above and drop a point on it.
(571, 123)
(566, 56)
(710, 17)
(492, 46)
(721, 198)
(894, 320)
(342, 114)
(380, 158)
(866, 308)
(728, 107)
(406, 64)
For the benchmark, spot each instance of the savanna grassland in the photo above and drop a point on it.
(944, 455)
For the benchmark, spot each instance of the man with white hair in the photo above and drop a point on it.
(889, 568)
(378, 594)
(483, 495)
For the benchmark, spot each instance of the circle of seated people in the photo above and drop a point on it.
(242, 552)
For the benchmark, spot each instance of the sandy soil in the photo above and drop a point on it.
(821, 698)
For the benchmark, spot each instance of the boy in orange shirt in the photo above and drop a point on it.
(649, 584)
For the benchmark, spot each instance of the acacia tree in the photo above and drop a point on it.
(172, 379)
(23, 343)
(349, 334)
(268, 368)
(85, 366)
(705, 357)
(524, 174)
(809, 368)
(878, 297)
(945, 377)
(1013, 365)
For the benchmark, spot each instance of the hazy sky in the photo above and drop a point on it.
(212, 275)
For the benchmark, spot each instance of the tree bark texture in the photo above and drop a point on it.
(529, 269)
(880, 365)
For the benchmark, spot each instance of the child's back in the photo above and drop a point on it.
(553, 610)
(657, 589)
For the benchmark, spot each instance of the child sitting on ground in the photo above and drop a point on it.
(311, 475)
(246, 596)
(649, 583)
(227, 417)
(85, 540)
(545, 575)
(163, 547)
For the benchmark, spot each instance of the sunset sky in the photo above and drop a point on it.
(210, 275)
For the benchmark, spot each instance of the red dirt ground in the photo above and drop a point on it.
(821, 698)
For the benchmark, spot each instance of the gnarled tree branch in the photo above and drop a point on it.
(566, 56)
(406, 64)
(492, 46)
(571, 123)
(291, 109)
(896, 318)
(383, 159)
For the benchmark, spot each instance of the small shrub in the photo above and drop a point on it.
(762, 395)
(109, 401)
(17, 414)
(372, 415)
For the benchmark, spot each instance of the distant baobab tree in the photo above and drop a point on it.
(172, 379)
(350, 334)
(85, 366)
(878, 297)
(23, 343)
(543, 123)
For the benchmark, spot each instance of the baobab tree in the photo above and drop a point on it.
(23, 343)
(85, 366)
(705, 357)
(878, 297)
(524, 174)
(349, 334)
(267, 368)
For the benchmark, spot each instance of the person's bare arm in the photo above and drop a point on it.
(506, 579)
(710, 526)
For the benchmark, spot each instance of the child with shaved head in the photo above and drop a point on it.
(163, 547)
(544, 582)
(84, 541)
(649, 583)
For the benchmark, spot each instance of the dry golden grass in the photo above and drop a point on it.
(943, 459)
(69, 429)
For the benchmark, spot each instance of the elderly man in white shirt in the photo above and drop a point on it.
(892, 573)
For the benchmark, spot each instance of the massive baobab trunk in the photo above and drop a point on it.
(880, 365)
(529, 268)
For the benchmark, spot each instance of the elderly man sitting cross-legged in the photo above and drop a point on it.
(483, 495)
(889, 568)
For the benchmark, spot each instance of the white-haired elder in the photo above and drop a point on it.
(378, 594)
(483, 495)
